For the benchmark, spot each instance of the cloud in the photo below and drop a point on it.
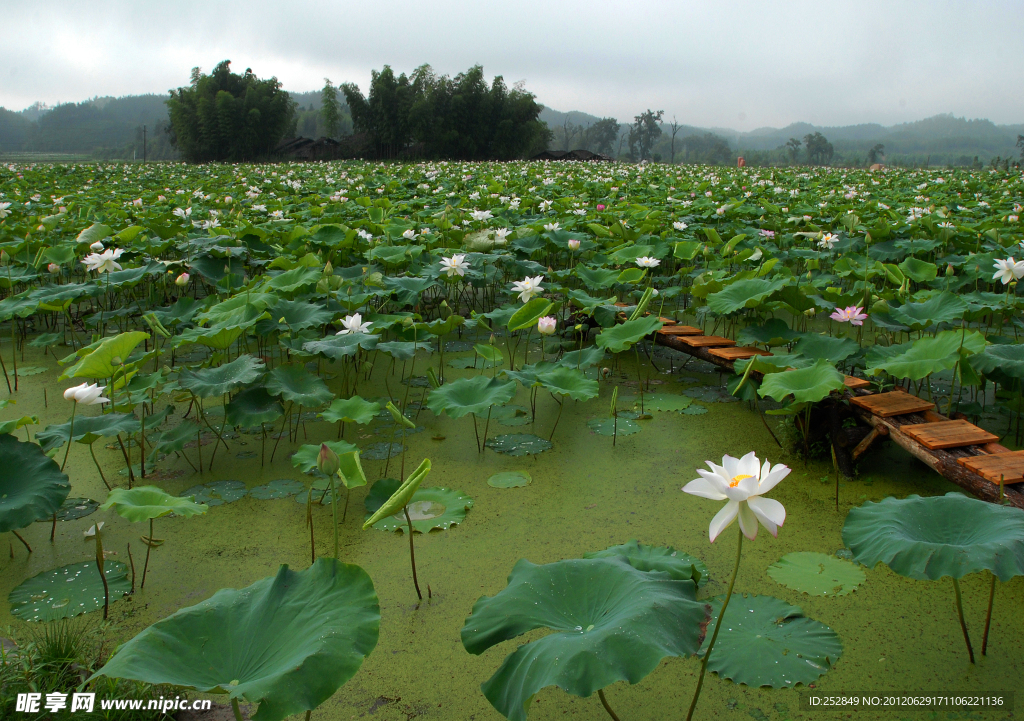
(733, 64)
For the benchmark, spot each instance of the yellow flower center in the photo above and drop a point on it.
(736, 480)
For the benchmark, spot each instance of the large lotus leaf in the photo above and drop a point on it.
(569, 382)
(253, 407)
(296, 315)
(927, 355)
(429, 508)
(767, 642)
(470, 395)
(351, 469)
(305, 458)
(531, 312)
(217, 337)
(175, 439)
(677, 564)
(834, 350)
(919, 270)
(242, 309)
(510, 479)
(181, 311)
(621, 337)
(775, 331)
(443, 327)
(775, 363)
(88, 429)
(351, 410)
(928, 538)
(666, 402)
(402, 496)
(297, 385)
(294, 279)
(68, 591)
(518, 444)
(806, 385)
(609, 621)
(106, 357)
(209, 382)
(942, 308)
(817, 574)
(1008, 359)
(31, 484)
(747, 293)
(145, 502)
(287, 642)
(216, 493)
(337, 347)
(596, 278)
(584, 358)
(402, 350)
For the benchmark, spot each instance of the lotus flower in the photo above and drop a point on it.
(104, 262)
(827, 241)
(574, 244)
(481, 215)
(409, 234)
(547, 325)
(1008, 270)
(645, 262)
(600, 207)
(741, 482)
(53, 268)
(853, 314)
(354, 324)
(456, 265)
(88, 394)
(182, 280)
(528, 287)
(679, 225)
(4, 210)
(551, 227)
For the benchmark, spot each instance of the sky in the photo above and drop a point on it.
(734, 64)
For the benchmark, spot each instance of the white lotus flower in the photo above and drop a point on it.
(87, 394)
(182, 212)
(528, 287)
(96, 247)
(551, 227)
(277, 215)
(500, 234)
(741, 482)
(456, 265)
(4, 210)
(827, 241)
(1008, 270)
(354, 324)
(679, 225)
(104, 262)
(547, 325)
(574, 244)
(481, 215)
(409, 234)
(646, 262)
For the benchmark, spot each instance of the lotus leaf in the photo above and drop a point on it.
(569, 382)
(625, 335)
(210, 382)
(282, 488)
(31, 484)
(775, 331)
(297, 385)
(1007, 359)
(145, 502)
(942, 308)
(667, 401)
(382, 451)
(767, 642)
(518, 444)
(510, 479)
(925, 356)
(252, 407)
(429, 508)
(216, 493)
(74, 508)
(351, 410)
(805, 385)
(677, 564)
(614, 427)
(928, 538)
(742, 294)
(175, 439)
(287, 642)
(817, 574)
(583, 359)
(351, 469)
(470, 395)
(609, 621)
(401, 496)
(296, 315)
(294, 279)
(596, 278)
(305, 458)
(834, 350)
(920, 271)
(106, 357)
(531, 312)
(337, 347)
(68, 591)
(402, 350)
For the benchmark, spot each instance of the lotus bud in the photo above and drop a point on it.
(574, 244)
(600, 206)
(182, 280)
(97, 247)
(4, 258)
(327, 461)
(329, 269)
(492, 339)
(116, 361)
(444, 303)
(53, 268)
(606, 372)
(949, 271)
(809, 275)
(70, 393)
(546, 325)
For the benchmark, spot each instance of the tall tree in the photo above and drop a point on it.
(819, 150)
(675, 129)
(601, 136)
(645, 130)
(876, 154)
(793, 146)
(330, 113)
(228, 117)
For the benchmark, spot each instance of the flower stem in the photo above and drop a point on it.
(718, 627)
(988, 615)
(963, 624)
(71, 434)
(604, 702)
(412, 554)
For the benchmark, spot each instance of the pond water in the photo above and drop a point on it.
(899, 636)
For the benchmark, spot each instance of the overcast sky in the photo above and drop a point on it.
(712, 63)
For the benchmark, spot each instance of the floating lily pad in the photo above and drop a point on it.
(429, 508)
(381, 451)
(246, 455)
(679, 565)
(510, 479)
(666, 402)
(216, 493)
(607, 426)
(518, 444)
(767, 642)
(817, 574)
(457, 346)
(417, 382)
(281, 488)
(68, 591)
(511, 415)
(694, 411)
(31, 370)
(710, 394)
(386, 430)
(73, 509)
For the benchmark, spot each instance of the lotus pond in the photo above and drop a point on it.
(445, 376)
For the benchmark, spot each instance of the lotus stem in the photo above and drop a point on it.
(18, 536)
(309, 522)
(103, 576)
(988, 614)
(960, 614)
(412, 554)
(487, 425)
(6, 377)
(334, 510)
(93, 454)
(238, 711)
(132, 562)
(71, 434)
(557, 418)
(718, 627)
(604, 702)
(284, 420)
(149, 547)
(476, 432)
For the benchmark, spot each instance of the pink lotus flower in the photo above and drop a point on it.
(600, 206)
(854, 315)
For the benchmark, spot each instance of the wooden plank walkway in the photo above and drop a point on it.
(957, 450)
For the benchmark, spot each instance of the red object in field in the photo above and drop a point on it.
(740, 162)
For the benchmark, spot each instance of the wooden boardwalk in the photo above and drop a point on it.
(957, 450)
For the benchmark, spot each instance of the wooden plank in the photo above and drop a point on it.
(1009, 466)
(933, 417)
(706, 341)
(895, 403)
(948, 434)
(876, 433)
(667, 321)
(994, 448)
(680, 330)
(855, 383)
(737, 353)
